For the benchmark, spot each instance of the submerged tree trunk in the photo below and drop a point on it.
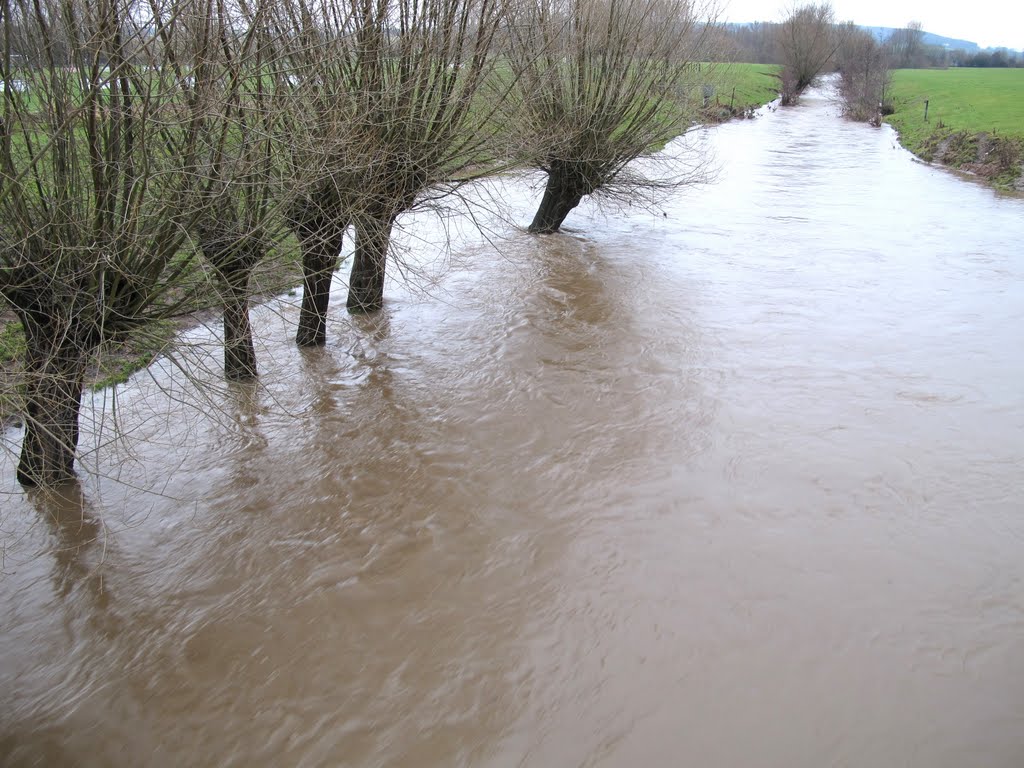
(563, 192)
(239, 350)
(55, 362)
(320, 251)
(366, 283)
(234, 253)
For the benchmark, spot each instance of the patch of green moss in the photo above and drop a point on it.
(12, 342)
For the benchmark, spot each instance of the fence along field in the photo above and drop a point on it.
(974, 122)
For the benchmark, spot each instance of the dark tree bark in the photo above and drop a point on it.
(321, 247)
(366, 283)
(234, 253)
(564, 190)
(239, 350)
(55, 363)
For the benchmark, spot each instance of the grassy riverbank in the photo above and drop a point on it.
(741, 88)
(975, 119)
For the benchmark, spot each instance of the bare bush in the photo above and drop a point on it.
(863, 66)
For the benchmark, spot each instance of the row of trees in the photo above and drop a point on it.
(809, 42)
(999, 58)
(906, 48)
(766, 42)
(151, 150)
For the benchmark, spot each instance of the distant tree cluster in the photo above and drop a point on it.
(804, 44)
(154, 155)
(1000, 58)
(907, 49)
(756, 43)
(763, 42)
(809, 42)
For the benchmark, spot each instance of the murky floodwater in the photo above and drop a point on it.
(736, 485)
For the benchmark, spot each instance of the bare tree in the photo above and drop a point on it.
(863, 65)
(418, 70)
(241, 218)
(807, 41)
(600, 83)
(907, 46)
(391, 114)
(316, 51)
(101, 180)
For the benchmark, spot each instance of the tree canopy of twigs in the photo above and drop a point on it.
(241, 212)
(598, 84)
(807, 41)
(110, 110)
(392, 112)
(146, 145)
(863, 65)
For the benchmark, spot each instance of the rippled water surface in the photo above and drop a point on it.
(735, 485)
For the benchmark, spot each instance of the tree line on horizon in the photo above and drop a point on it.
(906, 47)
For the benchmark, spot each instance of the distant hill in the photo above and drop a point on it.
(881, 33)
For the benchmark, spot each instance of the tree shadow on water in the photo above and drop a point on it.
(575, 280)
(77, 534)
(333, 376)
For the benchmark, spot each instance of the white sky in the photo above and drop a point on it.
(985, 22)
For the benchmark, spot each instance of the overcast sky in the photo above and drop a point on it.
(986, 22)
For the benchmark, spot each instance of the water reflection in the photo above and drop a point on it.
(574, 276)
(76, 531)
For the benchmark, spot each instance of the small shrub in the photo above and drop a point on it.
(1007, 153)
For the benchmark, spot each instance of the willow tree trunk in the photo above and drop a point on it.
(320, 251)
(239, 350)
(366, 283)
(55, 363)
(563, 192)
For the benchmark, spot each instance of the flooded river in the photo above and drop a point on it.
(735, 482)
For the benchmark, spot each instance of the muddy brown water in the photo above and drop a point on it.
(736, 485)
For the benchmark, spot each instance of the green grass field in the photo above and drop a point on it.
(962, 103)
(754, 84)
